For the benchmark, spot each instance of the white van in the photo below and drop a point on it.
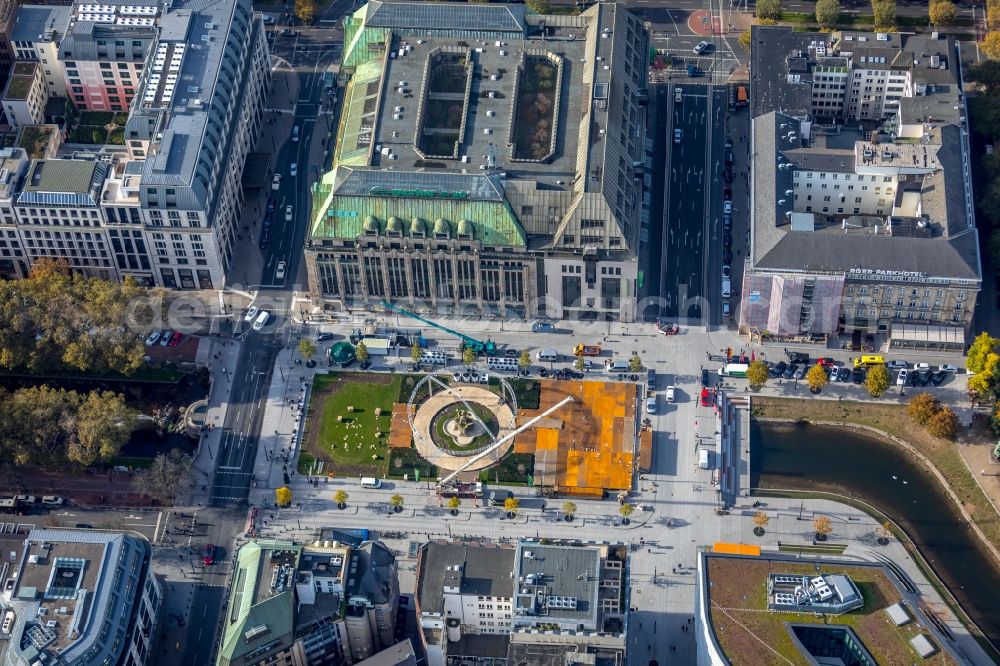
(726, 288)
(370, 482)
(547, 355)
(703, 458)
(617, 366)
(261, 320)
(670, 394)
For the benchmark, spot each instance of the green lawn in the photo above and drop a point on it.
(351, 441)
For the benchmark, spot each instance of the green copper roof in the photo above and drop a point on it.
(250, 607)
(358, 116)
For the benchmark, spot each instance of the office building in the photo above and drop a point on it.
(8, 15)
(305, 605)
(516, 604)
(487, 161)
(37, 32)
(862, 218)
(81, 597)
(13, 262)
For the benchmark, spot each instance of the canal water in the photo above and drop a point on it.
(808, 457)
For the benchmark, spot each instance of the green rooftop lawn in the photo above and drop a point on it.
(351, 444)
(745, 629)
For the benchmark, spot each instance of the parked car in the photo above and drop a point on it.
(670, 394)
(728, 175)
(727, 255)
(923, 377)
(165, 337)
(843, 374)
(543, 327)
(293, 169)
(727, 272)
(511, 353)
(727, 222)
(801, 372)
(826, 362)
(778, 370)
(858, 375)
(208, 555)
(677, 135)
(921, 366)
(938, 377)
(704, 377)
(276, 182)
(323, 337)
(947, 367)
(790, 371)
(175, 339)
(26, 499)
(52, 500)
(251, 313)
(895, 365)
(902, 377)
(727, 239)
(727, 207)
(797, 357)
(152, 338)
(288, 213)
(725, 308)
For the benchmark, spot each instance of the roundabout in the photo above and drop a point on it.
(452, 422)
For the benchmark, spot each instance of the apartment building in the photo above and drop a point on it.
(323, 602)
(518, 605)
(81, 596)
(862, 220)
(455, 189)
(25, 95)
(8, 15)
(36, 35)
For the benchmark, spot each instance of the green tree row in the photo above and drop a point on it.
(56, 319)
(940, 13)
(46, 426)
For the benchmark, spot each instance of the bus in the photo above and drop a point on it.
(734, 370)
(868, 361)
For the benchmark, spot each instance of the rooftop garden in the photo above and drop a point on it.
(34, 140)
(19, 86)
(444, 104)
(748, 633)
(535, 114)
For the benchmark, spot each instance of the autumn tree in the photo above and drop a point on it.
(361, 351)
(511, 505)
(922, 407)
(104, 424)
(569, 510)
(538, 6)
(468, 355)
(944, 424)
(757, 375)
(941, 12)
(167, 475)
(827, 12)
(884, 531)
(307, 348)
(885, 15)
(305, 10)
(524, 360)
(760, 520)
(396, 502)
(453, 503)
(817, 378)
(769, 10)
(983, 384)
(416, 353)
(877, 380)
(744, 40)
(981, 347)
(626, 511)
(635, 363)
(822, 526)
(990, 46)
(580, 363)
(340, 498)
(283, 496)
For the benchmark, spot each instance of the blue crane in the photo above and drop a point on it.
(478, 346)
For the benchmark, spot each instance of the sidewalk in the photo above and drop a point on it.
(223, 356)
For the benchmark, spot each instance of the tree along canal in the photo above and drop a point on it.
(820, 458)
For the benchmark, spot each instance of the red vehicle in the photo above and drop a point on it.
(175, 339)
(706, 397)
(826, 362)
(209, 556)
